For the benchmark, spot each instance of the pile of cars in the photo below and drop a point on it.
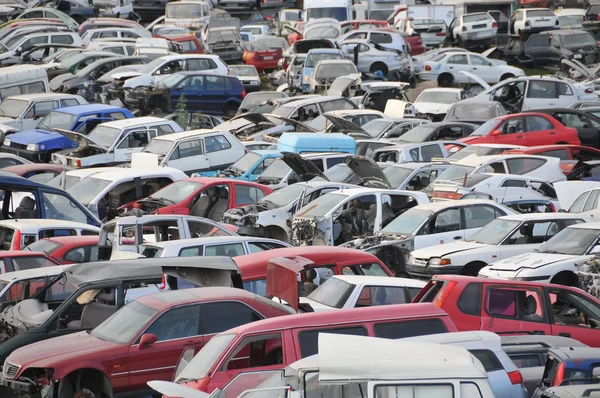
(247, 198)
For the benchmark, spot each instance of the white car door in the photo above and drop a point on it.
(591, 207)
(442, 227)
(189, 157)
(455, 64)
(541, 94)
(219, 153)
(478, 216)
(484, 69)
(133, 141)
(566, 96)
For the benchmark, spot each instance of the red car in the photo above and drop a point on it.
(143, 341)
(568, 154)
(68, 249)
(258, 54)
(38, 172)
(198, 195)
(190, 43)
(527, 129)
(515, 307)
(294, 36)
(19, 260)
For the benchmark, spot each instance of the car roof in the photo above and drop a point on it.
(488, 338)
(187, 134)
(176, 297)
(31, 273)
(115, 175)
(20, 253)
(409, 165)
(587, 225)
(514, 341)
(12, 179)
(82, 173)
(542, 216)
(43, 222)
(186, 56)
(312, 100)
(29, 97)
(380, 280)
(435, 206)
(468, 279)
(576, 353)
(135, 121)
(475, 160)
(78, 109)
(76, 240)
(21, 169)
(209, 240)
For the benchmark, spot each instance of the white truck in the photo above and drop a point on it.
(438, 12)
(338, 9)
(462, 7)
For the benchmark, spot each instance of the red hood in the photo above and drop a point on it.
(49, 353)
(471, 140)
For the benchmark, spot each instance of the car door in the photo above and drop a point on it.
(586, 130)
(175, 329)
(444, 226)
(538, 48)
(566, 96)
(188, 156)
(478, 216)
(455, 64)
(541, 94)
(36, 112)
(512, 308)
(527, 237)
(354, 218)
(513, 132)
(484, 69)
(193, 90)
(134, 141)
(539, 131)
(217, 90)
(591, 205)
(574, 315)
(219, 152)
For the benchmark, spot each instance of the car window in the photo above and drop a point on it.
(429, 152)
(380, 295)
(216, 143)
(82, 254)
(592, 202)
(247, 194)
(308, 339)
(562, 154)
(217, 83)
(517, 304)
(542, 89)
(256, 247)
(479, 215)
(479, 61)
(68, 102)
(572, 120)
(398, 330)
(537, 123)
(577, 206)
(198, 64)
(40, 109)
(458, 60)
(256, 351)
(572, 309)
(445, 221)
(229, 250)
(469, 301)
(187, 149)
(381, 38)
(523, 165)
(62, 39)
(60, 207)
(24, 263)
(218, 317)
(488, 359)
(135, 139)
(176, 323)
(564, 89)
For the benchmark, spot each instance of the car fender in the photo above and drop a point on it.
(61, 372)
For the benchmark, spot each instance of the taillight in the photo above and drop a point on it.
(598, 17)
(440, 34)
(552, 207)
(515, 377)
(494, 25)
(257, 57)
(163, 283)
(427, 67)
(443, 294)
(560, 374)
(17, 240)
(589, 91)
(243, 94)
(228, 71)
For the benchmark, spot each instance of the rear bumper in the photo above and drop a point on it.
(419, 272)
(230, 57)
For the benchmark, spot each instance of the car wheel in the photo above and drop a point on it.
(379, 66)
(445, 80)
(472, 269)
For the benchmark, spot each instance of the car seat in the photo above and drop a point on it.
(525, 238)
(26, 208)
(217, 211)
(203, 205)
(94, 313)
(380, 296)
(529, 310)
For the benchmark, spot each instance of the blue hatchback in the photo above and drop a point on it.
(39, 144)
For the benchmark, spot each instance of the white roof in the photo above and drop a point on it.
(29, 97)
(346, 358)
(435, 206)
(83, 173)
(34, 223)
(32, 273)
(133, 172)
(135, 121)
(569, 11)
(445, 90)
(345, 112)
(535, 9)
(380, 280)
(180, 243)
(409, 165)
(186, 134)
(587, 225)
(186, 56)
(475, 160)
(459, 337)
(542, 216)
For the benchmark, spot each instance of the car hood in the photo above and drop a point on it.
(80, 138)
(139, 81)
(305, 169)
(345, 126)
(8, 121)
(446, 249)
(59, 80)
(46, 354)
(368, 170)
(322, 28)
(341, 83)
(34, 137)
(431, 107)
(528, 260)
(315, 305)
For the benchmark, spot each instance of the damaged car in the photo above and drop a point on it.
(327, 71)
(342, 216)
(221, 37)
(257, 126)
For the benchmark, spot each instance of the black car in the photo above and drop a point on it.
(437, 131)
(586, 124)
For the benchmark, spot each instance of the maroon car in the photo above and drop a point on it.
(38, 172)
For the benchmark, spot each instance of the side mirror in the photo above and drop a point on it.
(146, 340)
(496, 132)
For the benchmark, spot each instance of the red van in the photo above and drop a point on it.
(515, 307)
(273, 344)
(326, 260)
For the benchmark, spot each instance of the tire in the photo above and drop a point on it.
(445, 80)
(472, 269)
(379, 66)
(506, 76)
(566, 278)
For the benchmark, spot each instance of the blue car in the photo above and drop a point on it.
(203, 92)
(38, 145)
(251, 165)
(314, 56)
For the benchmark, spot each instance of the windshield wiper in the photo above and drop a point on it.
(161, 199)
(185, 380)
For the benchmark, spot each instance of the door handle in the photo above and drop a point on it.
(519, 136)
(457, 237)
(552, 132)
(450, 67)
(538, 332)
(562, 334)
(474, 68)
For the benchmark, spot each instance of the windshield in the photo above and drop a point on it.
(335, 70)
(245, 162)
(12, 107)
(158, 147)
(177, 191)
(578, 40)
(407, 222)
(258, 98)
(455, 171)
(239, 70)
(479, 150)
(570, 21)
(87, 189)
(43, 245)
(57, 182)
(104, 136)
(283, 111)
(312, 59)
(438, 97)
(376, 126)
(74, 60)
(199, 367)
(418, 134)
(125, 324)
(471, 111)
(186, 11)
(571, 241)
(396, 175)
(486, 128)
(322, 205)
(339, 13)
(284, 196)
(223, 36)
(276, 170)
(57, 120)
(494, 232)
(339, 173)
(333, 293)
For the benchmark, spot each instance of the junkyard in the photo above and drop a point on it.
(313, 198)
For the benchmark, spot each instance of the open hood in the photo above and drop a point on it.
(258, 118)
(299, 127)
(568, 191)
(322, 28)
(170, 389)
(341, 84)
(369, 171)
(305, 169)
(346, 126)
(79, 138)
(380, 86)
(476, 79)
(282, 278)
(215, 272)
(579, 67)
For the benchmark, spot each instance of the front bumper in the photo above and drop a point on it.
(37, 157)
(17, 386)
(420, 272)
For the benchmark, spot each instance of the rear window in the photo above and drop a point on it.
(432, 291)
(309, 339)
(483, 17)
(44, 245)
(540, 13)
(24, 263)
(528, 360)
(409, 328)
(488, 359)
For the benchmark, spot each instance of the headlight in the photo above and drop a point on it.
(439, 261)
(33, 147)
(6, 142)
(411, 259)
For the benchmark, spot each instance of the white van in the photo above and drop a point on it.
(197, 151)
(23, 79)
(187, 14)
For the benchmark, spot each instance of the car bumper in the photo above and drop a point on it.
(250, 88)
(38, 157)
(480, 36)
(538, 29)
(266, 64)
(230, 57)
(18, 387)
(420, 272)
(428, 76)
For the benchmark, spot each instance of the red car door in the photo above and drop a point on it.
(575, 315)
(512, 132)
(514, 310)
(540, 131)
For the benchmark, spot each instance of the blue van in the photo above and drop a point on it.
(38, 145)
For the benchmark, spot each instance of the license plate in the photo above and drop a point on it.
(267, 58)
(577, 56)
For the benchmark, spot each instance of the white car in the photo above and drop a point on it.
(119, 32)
(230, 246)
(535, 92)
(327, 71)
(247, 75)
(356, 291)
(570, 18)
(436, 101)
(471, 30)
(446, 68)
(373, 57)
(415, 152)
(502, 238)
(431, 31)
(525, 21)
(556, 261)
(256, 30)
(586, 200)
(16, 234)
(392, 40)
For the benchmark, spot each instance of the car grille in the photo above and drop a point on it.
(421, 261)
(18, 146)
(10, 370)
